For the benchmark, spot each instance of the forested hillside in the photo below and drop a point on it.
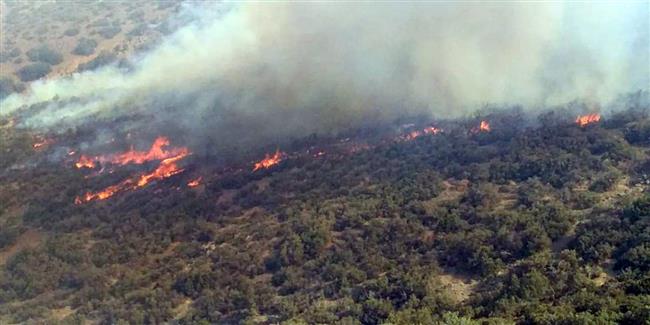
(526, 218)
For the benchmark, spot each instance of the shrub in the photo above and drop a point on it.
(85, 46)
(71, 32)
(7, 87)
(102, 59)
(33, 71)
(603, 183)
(15, 52)
(138, 30)
(44, 54)
(8, 55)
(109, 32)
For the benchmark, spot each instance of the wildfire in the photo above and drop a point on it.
(158, 151)
(269, 160)
(195, 182)
(167, 168)
(85, 162)
(584, 120)
(430, 130)
(105, 193)
(412, 135)
(484, 126)
(42, 143)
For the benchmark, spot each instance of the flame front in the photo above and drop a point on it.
(85, 162)
(430, 130)
(105, 193)
(42, 143)
(484, 126)
(168, 167)
(156, 152)
(269, 160)
(412, 135)
(194, 182)
(584, 120)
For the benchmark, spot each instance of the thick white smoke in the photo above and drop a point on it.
(276, 69)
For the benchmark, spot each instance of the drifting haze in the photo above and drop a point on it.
(269, 70)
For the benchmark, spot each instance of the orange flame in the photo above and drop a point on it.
(156, 152)
(584, 120)
(269, 160)
(42, 143)
(103, 194)
(194, 182)
(484, 126)
(430, 130)
(85, 162)
(412, 135)
(166, 168)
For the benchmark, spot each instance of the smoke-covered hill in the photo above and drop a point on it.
(324, 163)
(501, 218)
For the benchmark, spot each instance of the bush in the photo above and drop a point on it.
(85, 46)
(603, 183)
(109, 32)
(71, 32)
(138, 30)
(8, 236)
(102, 59)
(8, 55)
(33, 71)
(44, 54)
(7, 87)
(15, 52)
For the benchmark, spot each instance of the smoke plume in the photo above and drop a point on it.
(249, 71)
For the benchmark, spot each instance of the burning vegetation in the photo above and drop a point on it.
(168, 167)
(484, 126)
(329, 193)
(430, 130)
(85, 162)
(584, 120)
(269, 160)
(169, 156)
(42, 143)
(159, 150)
(195, 182)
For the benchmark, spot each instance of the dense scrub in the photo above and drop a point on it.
(33, 71)
(539, 222)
